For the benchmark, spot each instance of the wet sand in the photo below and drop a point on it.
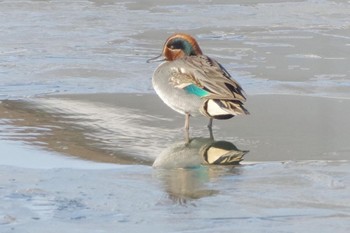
(134, 128)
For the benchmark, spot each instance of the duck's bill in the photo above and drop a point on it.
(156, 59)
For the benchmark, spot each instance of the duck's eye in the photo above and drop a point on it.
(176, 44)
(181, 44)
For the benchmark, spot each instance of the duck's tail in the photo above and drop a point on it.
(223, 109)
(223, 153)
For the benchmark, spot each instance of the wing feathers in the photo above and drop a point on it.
(206, 73)
(206, 78)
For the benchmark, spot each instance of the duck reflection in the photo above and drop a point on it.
(197, 152)
(186, 168)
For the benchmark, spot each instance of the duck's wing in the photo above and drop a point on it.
(206, 78)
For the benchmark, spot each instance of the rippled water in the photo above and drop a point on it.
(294, 47)
(82, 163)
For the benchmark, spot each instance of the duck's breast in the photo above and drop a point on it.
(176, 98)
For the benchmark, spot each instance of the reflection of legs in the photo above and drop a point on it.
(187, 127)
(210, 124)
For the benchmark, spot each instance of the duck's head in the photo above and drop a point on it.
(178, 46)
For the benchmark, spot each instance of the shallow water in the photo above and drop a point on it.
(294, 47)
(77, 143)
(285, 197)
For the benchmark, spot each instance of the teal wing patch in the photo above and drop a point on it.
(193, 89)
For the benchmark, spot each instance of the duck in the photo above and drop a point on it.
(194, 84)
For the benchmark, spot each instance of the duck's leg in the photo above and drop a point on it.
(187, 127)
(210, 125)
